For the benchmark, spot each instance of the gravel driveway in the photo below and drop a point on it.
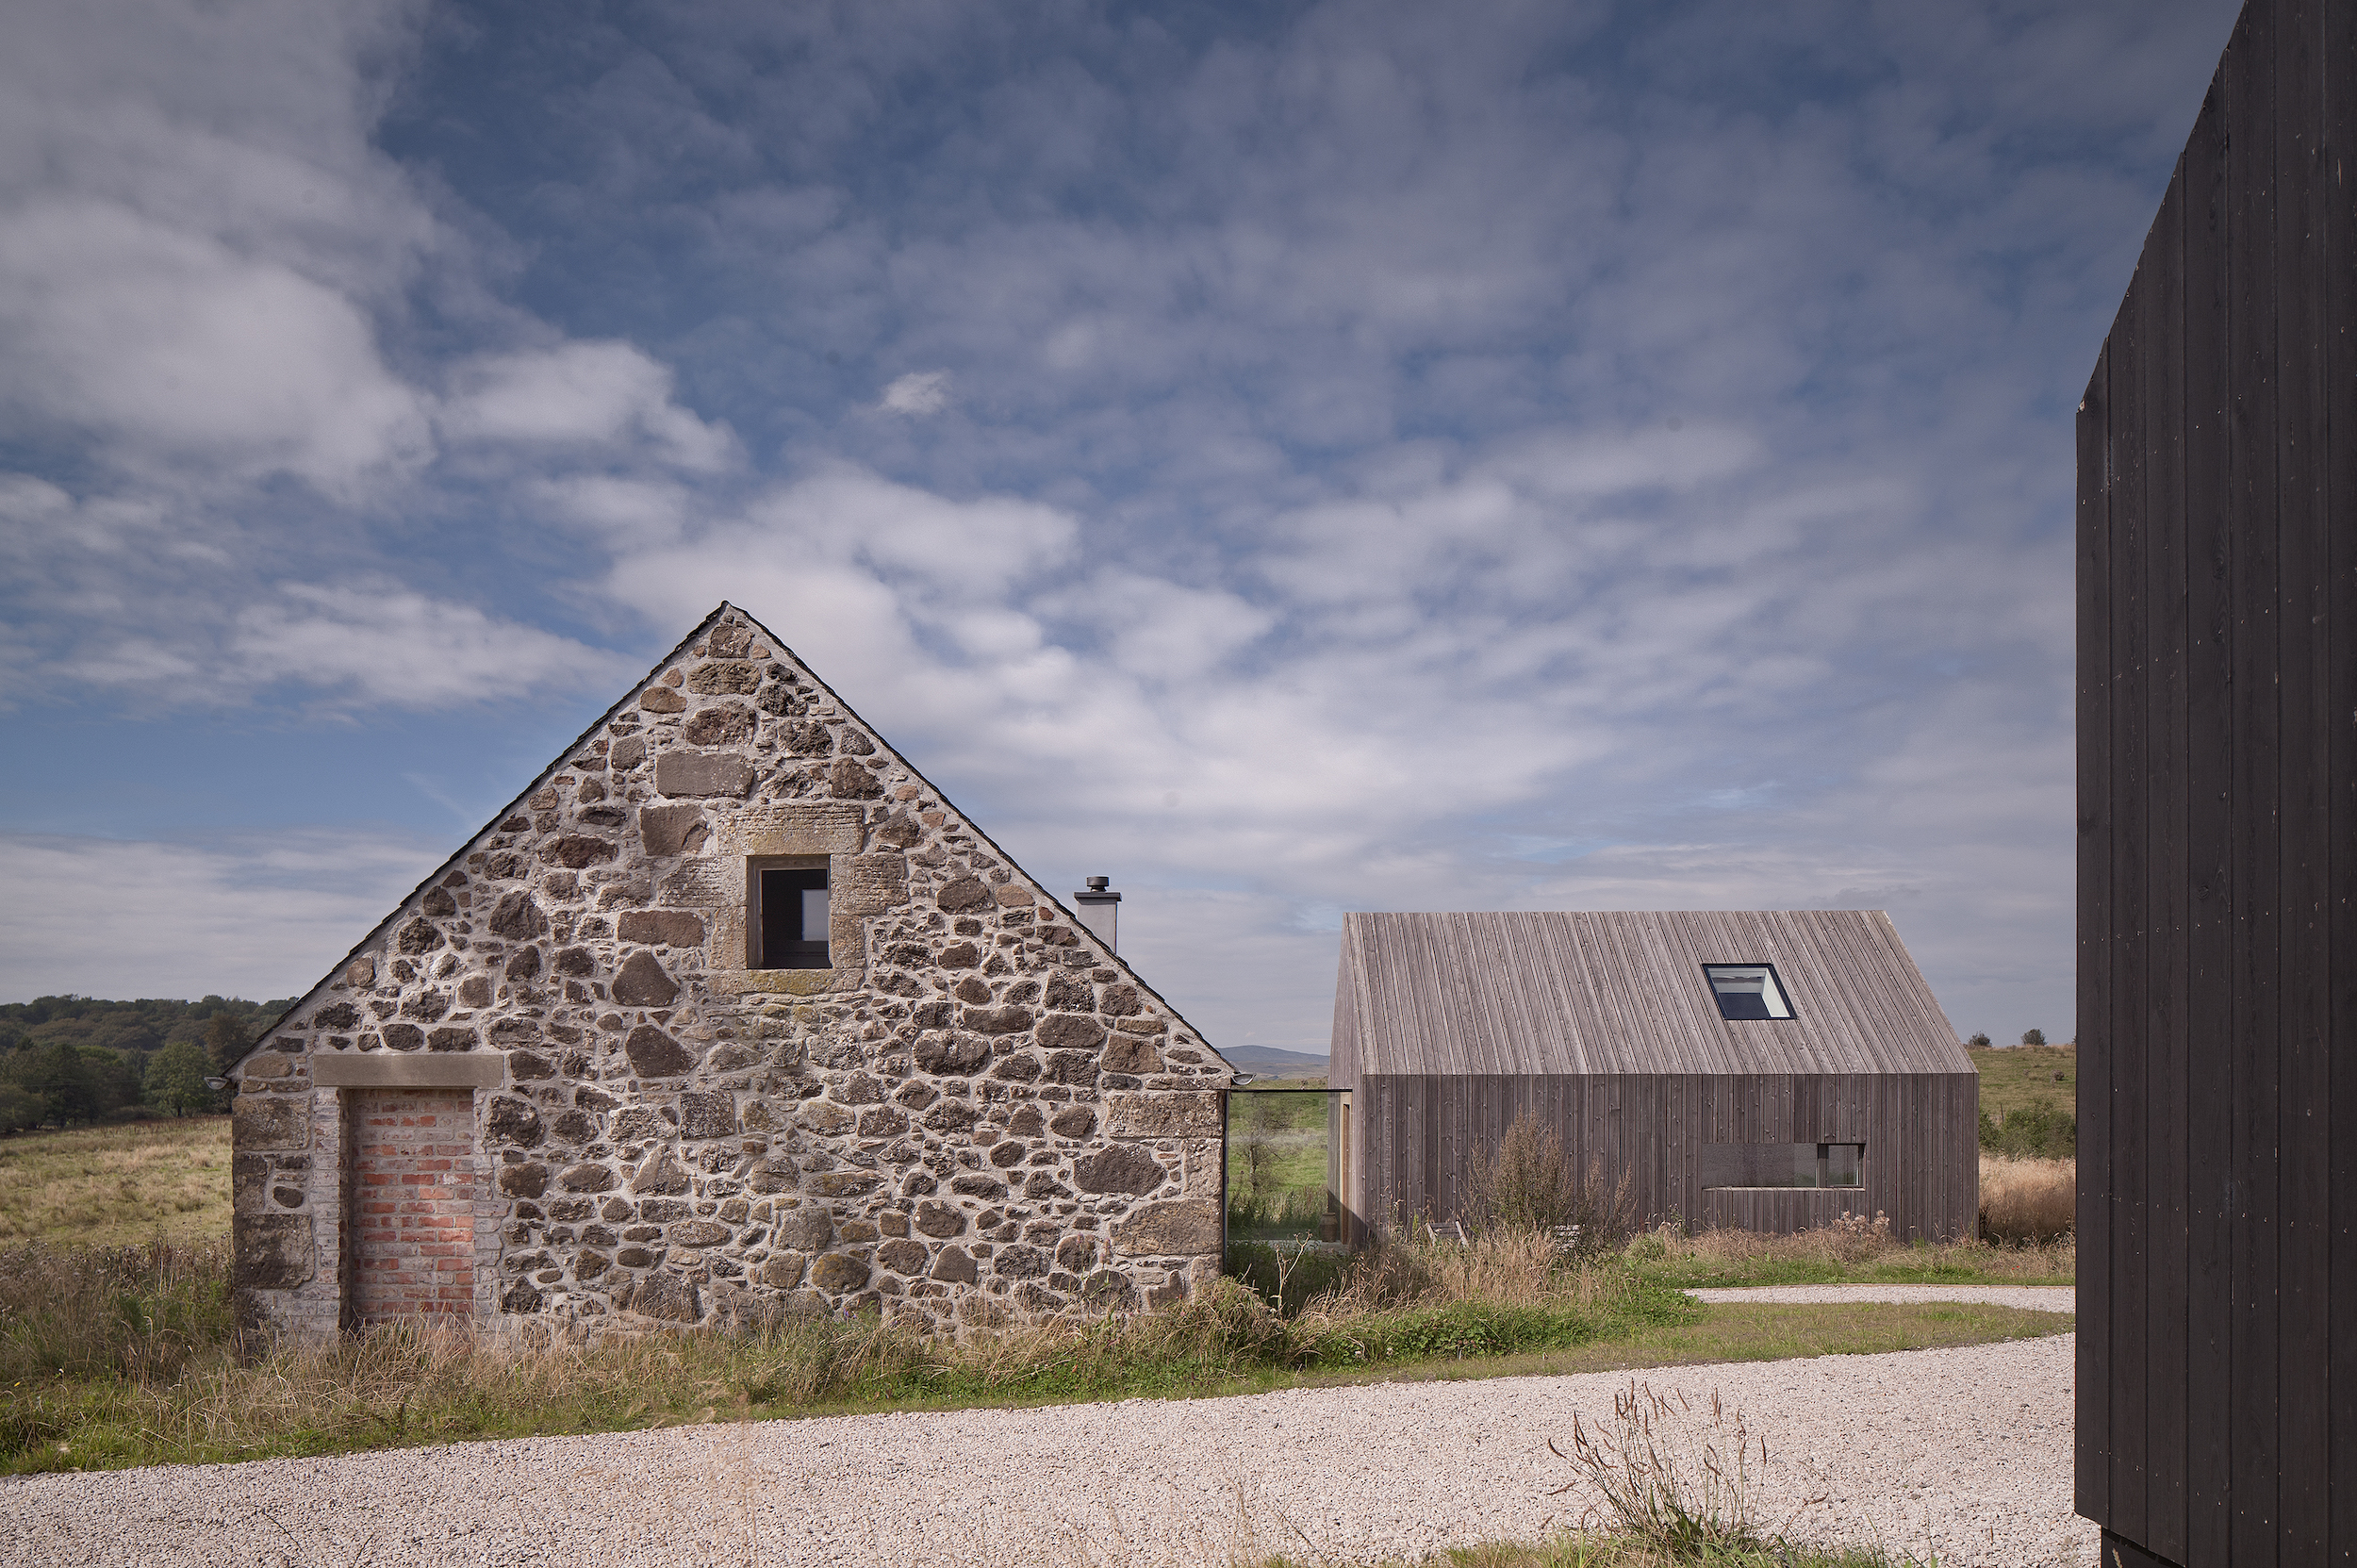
(1966, 1452)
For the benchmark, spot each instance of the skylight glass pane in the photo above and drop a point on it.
(1747, 991)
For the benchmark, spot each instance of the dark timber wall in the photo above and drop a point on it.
(2217, 722)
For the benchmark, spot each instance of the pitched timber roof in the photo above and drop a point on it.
(1577, 992)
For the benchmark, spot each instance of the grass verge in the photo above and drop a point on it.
(108, 1187)
(126, 1357)
(1722, 1258)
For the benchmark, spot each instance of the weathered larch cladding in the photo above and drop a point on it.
(977, 1114)
(1599, 1023)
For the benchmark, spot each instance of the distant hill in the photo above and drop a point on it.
(1274, 1063)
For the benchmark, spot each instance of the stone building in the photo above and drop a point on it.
(729, 1015)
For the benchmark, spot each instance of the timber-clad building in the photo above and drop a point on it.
(1770, 1070)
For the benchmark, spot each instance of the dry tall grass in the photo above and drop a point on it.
(2035, 1201)
(108, 1186)
(1504, 1266)
(130, 1356)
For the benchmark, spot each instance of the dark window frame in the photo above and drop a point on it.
(1718, 997)
(765, 879)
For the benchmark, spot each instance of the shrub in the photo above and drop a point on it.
(1530, 1184)
(1978, 1042)
(2034, 1037)
(2041, 1132)
(2029, 1201)
(18, 1109)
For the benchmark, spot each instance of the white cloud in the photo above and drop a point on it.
(383, 643)
(259, 916)
(196, 242)
(174, 348)
(918, 394)
(582, 394)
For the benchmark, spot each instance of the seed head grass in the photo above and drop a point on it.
(2031, 1202)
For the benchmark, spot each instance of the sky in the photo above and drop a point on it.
(1291, 458)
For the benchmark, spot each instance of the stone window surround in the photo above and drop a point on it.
(812, 836)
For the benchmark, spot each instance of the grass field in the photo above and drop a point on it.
(107, 1186)
(114, 1355)
(2017, 1078)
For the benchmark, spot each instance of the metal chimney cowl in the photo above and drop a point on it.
(1100, 911)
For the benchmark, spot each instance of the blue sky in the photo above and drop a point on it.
(1289, 458)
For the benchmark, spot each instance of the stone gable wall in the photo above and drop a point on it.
(975, 1116)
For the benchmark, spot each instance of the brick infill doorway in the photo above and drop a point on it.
(415, 1179)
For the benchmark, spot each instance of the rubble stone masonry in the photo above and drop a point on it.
(977, 1115)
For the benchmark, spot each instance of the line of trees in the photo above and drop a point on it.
(69, 1061)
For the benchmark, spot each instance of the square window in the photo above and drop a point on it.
(1747, 990)
(789, 917)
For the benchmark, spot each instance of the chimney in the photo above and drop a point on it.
(1100, 911)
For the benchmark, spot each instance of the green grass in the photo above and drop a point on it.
(2029, 1101)
(1723, 1259)
(113, 1186)
(1277, 1160)
(2015, 1078)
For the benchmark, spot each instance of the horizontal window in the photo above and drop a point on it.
(1781, 1164)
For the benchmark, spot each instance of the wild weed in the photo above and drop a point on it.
(1684, 1505)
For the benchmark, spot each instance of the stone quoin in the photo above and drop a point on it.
(558, 1086)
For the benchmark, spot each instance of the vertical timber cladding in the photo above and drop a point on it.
(1603, 1025)
(1646, 1129)
(2217, 753)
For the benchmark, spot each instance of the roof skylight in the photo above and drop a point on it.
(1747, 991)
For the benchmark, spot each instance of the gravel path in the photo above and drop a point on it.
(2036, 1298)
(1966, 1452)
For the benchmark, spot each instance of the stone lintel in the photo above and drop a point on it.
(816, 829)
(477, 1069)
(704, 774)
